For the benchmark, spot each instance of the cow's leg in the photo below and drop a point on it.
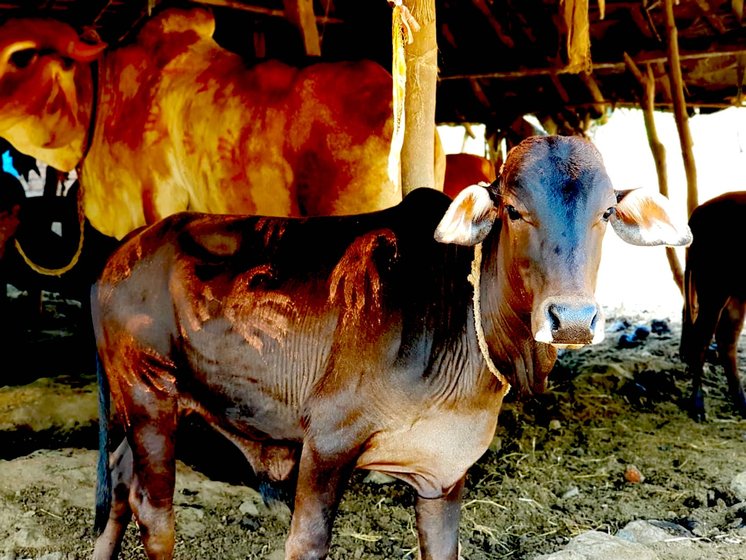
(148, 411)
(321, 481)
(110, 540)
(727, 335)
(152, 493)
(700, 338)
(437, 524)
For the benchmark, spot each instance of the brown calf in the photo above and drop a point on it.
(355, 342)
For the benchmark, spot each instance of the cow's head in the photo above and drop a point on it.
(549, 209)
(45, 89)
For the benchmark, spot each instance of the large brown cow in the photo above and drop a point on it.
(335, 343)
(172, 121)
(464, 169)
(714, 295)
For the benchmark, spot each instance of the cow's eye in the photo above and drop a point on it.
(608, 213)
(513, 214)
(23, 58)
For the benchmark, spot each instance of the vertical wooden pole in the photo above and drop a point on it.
(679, 106)
(647, 84)
(418, 149)
(300, 12)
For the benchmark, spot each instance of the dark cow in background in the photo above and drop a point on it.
(171, 121)
(12, 197)
(714, 294)
(320, 345)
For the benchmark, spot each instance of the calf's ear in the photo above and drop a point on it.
(469, 218)
(646, 217)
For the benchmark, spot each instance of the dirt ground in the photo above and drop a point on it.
(556, 467)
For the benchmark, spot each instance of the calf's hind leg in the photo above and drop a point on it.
(727, 335)
(154, 479)
(146, 401)
(697, 341)
(109, 542)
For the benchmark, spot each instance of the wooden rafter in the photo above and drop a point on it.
(236, 5)
(711, 18)
(641, 59)
(485, 10)
(593, 88)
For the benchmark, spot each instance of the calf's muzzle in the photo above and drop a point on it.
(568, 322)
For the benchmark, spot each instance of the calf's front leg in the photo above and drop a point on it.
(437, 524)
(321, 481)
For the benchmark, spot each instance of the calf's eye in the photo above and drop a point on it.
(513, 214)
(23, 58)
(608, 213)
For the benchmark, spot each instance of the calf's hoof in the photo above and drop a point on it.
(698, 415)
(697, 408)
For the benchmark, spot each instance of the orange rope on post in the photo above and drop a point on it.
(403, 24)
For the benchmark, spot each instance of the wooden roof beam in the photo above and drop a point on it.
(714, 21)
(485, 10)
(590, 82)
(236, 5)
(645, 58)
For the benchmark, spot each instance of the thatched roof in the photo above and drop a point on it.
(498, 59)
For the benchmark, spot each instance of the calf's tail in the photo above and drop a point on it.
(689, 312)
(103, 474)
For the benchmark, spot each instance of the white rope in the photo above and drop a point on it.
(476, 266)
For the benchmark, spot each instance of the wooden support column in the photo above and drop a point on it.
(300, 12)
(679, 106)
(647, 87)
(418, 149)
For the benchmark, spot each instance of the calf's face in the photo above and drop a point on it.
(555, 200)
(552, 203)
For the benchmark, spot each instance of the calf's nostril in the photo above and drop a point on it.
(555, 313)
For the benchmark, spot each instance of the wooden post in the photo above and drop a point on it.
(300, 12)
(418, 149)
(679, 106)
(647, 84)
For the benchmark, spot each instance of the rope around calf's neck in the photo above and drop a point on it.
(474, 276)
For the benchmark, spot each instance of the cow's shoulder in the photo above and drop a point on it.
(422, 209)
(195, 23)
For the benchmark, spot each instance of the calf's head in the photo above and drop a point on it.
(45, 89)
(543, 220)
